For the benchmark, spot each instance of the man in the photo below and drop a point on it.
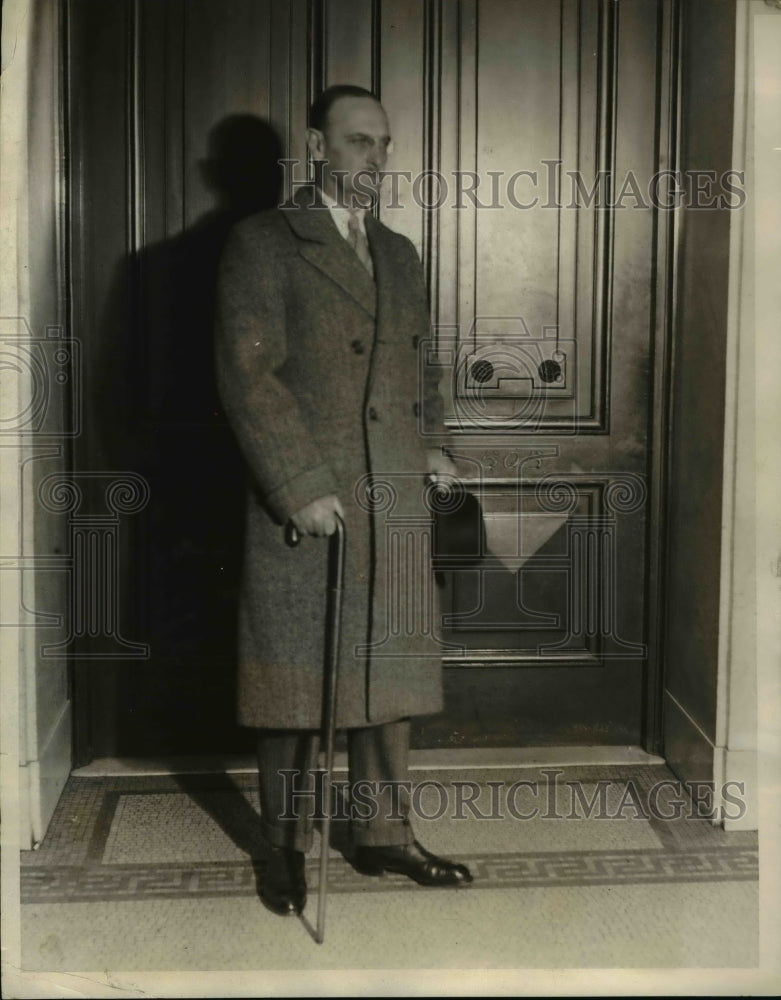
(321, 313)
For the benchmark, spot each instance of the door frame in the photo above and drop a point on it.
(664, 325)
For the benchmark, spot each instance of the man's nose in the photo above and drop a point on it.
(376, 158)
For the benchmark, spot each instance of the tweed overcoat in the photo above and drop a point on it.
(319, 374)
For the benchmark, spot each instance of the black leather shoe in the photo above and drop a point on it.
(283, 886)
(412, 860)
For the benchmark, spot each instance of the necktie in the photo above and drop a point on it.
(357, 240)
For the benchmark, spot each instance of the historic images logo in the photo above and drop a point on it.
(525, 800)
(42, 405)
(543, 185)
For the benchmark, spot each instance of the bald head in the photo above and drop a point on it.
(348, 138)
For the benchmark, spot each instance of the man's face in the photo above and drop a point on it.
(355, 143)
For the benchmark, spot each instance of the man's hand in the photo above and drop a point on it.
(318, 517)
(441, 468)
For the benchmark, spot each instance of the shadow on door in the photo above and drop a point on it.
(156, 412)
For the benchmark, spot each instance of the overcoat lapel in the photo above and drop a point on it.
(323, 246)
(389, 291)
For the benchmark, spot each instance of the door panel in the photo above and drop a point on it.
(542, 319)
(547, 334)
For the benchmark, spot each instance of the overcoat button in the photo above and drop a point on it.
(416, 409)
(357, 346)
(373, 414)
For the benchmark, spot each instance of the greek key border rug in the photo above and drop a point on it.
(147, 837)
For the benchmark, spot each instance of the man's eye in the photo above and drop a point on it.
(361, 141)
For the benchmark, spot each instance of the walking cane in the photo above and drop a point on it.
(336, 545)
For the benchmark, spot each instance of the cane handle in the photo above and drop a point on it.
(292, 537)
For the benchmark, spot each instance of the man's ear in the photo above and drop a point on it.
(315, 141)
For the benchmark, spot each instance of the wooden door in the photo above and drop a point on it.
(545, 313)
(545, 317)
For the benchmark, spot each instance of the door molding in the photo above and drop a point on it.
(40, 368)
(666, 251)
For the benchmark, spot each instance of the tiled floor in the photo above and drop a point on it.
(159, 872)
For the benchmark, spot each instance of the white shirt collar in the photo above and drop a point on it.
(341, 215)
